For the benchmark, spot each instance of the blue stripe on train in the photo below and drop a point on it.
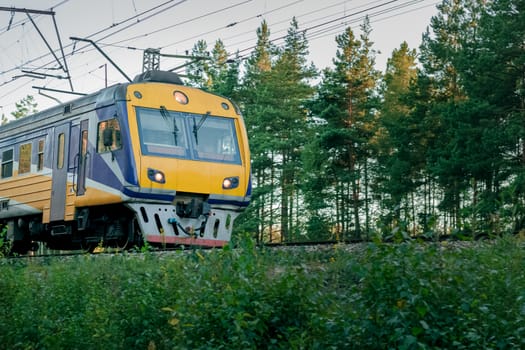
(151, 196)
(228, 202)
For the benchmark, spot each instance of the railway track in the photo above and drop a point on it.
(43, 252)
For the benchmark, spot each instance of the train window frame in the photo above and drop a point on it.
(24, 158)
(192, 147)
(218, 153)
(40, 155)
(150, 138)
(7, 163)
(102, 137)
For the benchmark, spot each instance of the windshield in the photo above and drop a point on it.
(188, 136)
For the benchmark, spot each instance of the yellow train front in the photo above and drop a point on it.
(192, 164)
(149, 160)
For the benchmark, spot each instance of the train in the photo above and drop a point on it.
(151, 160)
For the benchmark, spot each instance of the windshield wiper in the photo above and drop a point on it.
(166, 115)
(196, 126)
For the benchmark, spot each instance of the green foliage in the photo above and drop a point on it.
(377, 296)
(25, 107)
(275, 89)
(5, 243)
(213, 71)
(346, 101)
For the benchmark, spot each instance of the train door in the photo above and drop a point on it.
(82, 158)
(59, 183)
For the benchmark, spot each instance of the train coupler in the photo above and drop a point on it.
(188, 230)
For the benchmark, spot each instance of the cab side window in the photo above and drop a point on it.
(108, 136)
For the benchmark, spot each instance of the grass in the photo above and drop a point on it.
(406, 296)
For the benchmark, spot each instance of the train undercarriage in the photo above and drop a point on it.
(191, 221)
(108, 226)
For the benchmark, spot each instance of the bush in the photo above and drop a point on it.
(5, 243)
(405, 296)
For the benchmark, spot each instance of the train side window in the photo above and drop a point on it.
(24, 158)
(60, 151)
(84, 144)
(108, 136)
(7, 163)
(40, 160)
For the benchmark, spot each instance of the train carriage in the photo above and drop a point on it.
(149, 160)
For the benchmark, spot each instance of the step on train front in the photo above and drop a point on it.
(151, 160)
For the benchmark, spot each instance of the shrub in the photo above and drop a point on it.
(405, 296)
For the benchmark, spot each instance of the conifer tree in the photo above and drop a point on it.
(199, 71)
(291, 77)
(401, 156)
(223, 72)
(456, 155)
(493, 71)
(347, 99)
(275, 90)
(259, 106)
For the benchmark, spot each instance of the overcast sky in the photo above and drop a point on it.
(124, 28)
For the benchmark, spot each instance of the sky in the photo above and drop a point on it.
(31, 54)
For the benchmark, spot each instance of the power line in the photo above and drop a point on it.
(287, 21)
(326, 23)
(160, 9)
(185, 22)
(21, 22)
(181, 23)
(335, 28)
(232, 24)
(313, 28)
(98, 32)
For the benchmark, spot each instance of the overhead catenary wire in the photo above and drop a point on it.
(337, 29)
(160, 8)
(334, 28)
(181, 23)
(15, 24)
(287, 21)
(320, 25)
(184, 22)
(330, 24)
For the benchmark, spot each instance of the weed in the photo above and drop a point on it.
(5, 242)
(404, 296)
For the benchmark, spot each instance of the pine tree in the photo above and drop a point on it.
(493, 71)
(456, 155)
(401, 155)
(346, 101)
(291, 76)
(259, 106)
(275, 90)
(198, 72)
(223, 72)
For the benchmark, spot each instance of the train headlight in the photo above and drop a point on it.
(180, 97)
(156, 176)
(230, 182)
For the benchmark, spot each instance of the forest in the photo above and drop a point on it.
(432, 147)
